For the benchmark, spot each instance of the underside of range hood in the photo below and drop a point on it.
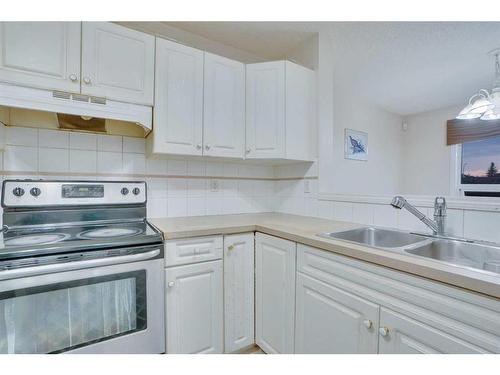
(86, 113)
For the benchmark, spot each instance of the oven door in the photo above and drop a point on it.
(114, 308)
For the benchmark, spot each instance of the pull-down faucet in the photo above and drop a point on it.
(437, 225)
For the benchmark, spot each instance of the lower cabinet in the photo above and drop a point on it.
(274, 294)
(330, 320)
(239, 295)
(400, 334)
(194, 308)
(348, 306)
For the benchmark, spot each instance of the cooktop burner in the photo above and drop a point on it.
(42, 218)
(36, 239)
(110, 233)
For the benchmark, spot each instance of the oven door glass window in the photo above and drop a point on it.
(60, 317)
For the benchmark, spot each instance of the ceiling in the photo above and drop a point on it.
(270, 40)
(409, 68)
(403, 67)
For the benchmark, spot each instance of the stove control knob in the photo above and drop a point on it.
(35, 191)
(124, 191)
(18, 191)
(136, 191)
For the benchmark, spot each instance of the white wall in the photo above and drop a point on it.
(340, 106)
(426, 160)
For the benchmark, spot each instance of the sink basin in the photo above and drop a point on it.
(376, 237)
(479, 256)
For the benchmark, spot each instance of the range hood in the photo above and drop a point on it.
(75, 104)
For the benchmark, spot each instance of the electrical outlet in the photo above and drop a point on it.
(214, 186)
(307, 186)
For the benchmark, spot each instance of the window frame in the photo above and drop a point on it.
(457, 188)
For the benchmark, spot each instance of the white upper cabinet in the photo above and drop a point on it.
(178, 111)
(117, 63)
(265, 101)
(280, 120)
(93, 58)
(41, 54)
(224, 107)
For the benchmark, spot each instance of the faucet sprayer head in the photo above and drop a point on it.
(398, 202)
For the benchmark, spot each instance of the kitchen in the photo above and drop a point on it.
(185, 188)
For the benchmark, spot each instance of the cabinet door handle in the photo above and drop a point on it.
(198, 147)
(248, 150)
(368, 323)
(383, 331)
(230, 247)
(171, 284)
(207, 147)
(86, 80)
(73, 77)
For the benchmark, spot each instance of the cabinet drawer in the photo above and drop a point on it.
(193, 250)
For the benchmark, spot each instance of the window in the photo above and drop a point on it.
(480, 168)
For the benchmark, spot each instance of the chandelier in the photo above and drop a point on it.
(483, 104)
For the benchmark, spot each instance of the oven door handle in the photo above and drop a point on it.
(76, 265)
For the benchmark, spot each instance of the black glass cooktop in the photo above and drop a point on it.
(45, 240)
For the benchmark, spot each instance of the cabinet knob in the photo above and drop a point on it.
(248, 150)
(207, 147)
(368, 323)
(383, 331)
(171, 284)
(230, 247)
(73, 77)
(86, 80)
(198, 147)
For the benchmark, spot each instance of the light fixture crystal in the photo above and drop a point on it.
(483, 104)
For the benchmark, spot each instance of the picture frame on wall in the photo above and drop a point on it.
(355, 145)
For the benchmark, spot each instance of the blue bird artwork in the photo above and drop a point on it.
(356, 146)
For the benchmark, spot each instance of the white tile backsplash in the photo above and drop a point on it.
(18, 136)
(342, 211)
(20, 158)
(482, 225)
(134, 163)
(55, 160)
(82, 141)
(111, 143)
(82, 161)
(109, 162)
(137, 145)
(58, 152)
(177, 167)
(53, 138)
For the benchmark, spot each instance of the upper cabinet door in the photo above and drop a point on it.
(224, 107)
(265, 111)
(178, 112)
(41, 54)
(117, 63)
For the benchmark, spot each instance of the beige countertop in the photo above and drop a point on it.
(304, 230)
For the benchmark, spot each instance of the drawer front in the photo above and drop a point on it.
(465, 315)
(193, 250)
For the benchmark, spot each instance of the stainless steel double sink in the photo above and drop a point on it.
(456, 252)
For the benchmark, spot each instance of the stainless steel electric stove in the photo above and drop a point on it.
(81, 269)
